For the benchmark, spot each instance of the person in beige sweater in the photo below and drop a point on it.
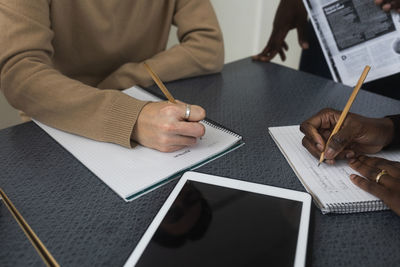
(64, 62)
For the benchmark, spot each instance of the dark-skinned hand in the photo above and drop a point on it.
(388, 5)
(388, 188)
(358, 135)
(291, 14)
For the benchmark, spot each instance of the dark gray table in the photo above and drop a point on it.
(83, 223)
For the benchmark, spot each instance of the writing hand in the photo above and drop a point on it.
(388, 188)
(358, 135)
(388, 5)
(291, 14)
(161, 125)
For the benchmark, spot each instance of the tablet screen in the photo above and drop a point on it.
(210, 225)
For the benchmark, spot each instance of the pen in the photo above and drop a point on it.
(345, 110)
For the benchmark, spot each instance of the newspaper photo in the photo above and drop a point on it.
(356, 33)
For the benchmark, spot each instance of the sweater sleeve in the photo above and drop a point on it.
(396, 137)
(200, 51)
(30, 82)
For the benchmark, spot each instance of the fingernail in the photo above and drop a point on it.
(352, 176)
(320, 147)
(305, 45)
(330, 161)
(350, 155)
(329, 153)
(351, 161)
(386, 7)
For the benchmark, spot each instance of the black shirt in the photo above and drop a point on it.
(396, 138)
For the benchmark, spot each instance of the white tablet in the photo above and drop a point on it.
(213, 221)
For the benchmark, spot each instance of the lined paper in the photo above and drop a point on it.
(131, 172)
(329, 184)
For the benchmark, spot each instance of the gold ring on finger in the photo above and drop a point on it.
(378, 177)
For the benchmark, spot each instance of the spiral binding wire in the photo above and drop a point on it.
(359, 206)
(218, 126)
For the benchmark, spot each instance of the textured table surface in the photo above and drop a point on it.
(84, 223)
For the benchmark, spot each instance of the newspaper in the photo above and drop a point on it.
(356, 33)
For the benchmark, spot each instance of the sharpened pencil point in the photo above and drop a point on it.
(345, 111)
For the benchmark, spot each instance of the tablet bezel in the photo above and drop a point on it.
(305, 198)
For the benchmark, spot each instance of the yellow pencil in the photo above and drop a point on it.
(39, 246)
(160, 84)
(345, 110)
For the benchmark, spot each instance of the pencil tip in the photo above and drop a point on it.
(319, 163)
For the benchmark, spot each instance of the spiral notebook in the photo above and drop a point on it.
(329, 185)
(133, 172)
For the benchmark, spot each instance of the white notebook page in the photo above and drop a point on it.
(329, 184)
(129, 171)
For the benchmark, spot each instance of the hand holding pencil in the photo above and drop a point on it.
(358, 135)
(331, 134)
(345, 110)
(162, 126)
(168, 125)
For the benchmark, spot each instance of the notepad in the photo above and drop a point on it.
(133, 172)
(330, 185)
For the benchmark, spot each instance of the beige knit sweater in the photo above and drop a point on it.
(63, 62)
